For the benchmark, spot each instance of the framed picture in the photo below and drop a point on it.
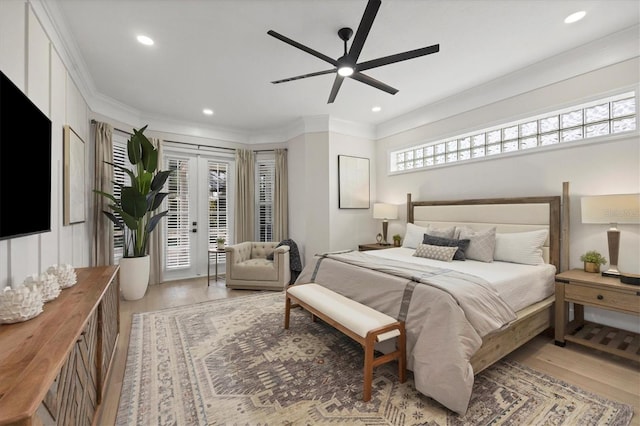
(74, 177)
(353, 182)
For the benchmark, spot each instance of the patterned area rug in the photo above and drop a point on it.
(230, 361)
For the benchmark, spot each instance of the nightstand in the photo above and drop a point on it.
(373, 246)
(583, 288)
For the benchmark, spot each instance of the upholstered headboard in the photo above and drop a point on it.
(506, 214)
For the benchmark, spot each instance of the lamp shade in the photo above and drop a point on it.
(385, 211)
(619, 208)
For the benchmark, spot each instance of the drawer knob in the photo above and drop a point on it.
(600, 297)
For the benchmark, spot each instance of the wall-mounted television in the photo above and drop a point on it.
(25, 164)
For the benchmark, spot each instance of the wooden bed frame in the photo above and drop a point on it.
(533, 319)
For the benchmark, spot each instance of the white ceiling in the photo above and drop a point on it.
(217, 54)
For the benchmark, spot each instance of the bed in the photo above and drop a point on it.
(461, 316)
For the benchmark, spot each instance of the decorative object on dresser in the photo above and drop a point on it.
(66, 275)
(385, 212)
(55, 366)
(311, 374)
(592, 261)
(582, 288)
(134, 211)
(613, 210)
(20, 304)
(46, 283)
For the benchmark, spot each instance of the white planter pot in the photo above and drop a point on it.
(134, 277)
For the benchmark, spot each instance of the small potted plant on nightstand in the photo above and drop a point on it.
(592, 261)
(220, 242)
(396, 240)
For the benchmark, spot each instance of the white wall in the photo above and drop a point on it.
(605, 167)
(28, 58)
(350, 227)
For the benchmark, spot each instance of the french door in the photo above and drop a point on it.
(199, 204)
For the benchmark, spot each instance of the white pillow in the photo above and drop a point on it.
(435, 252)
(521, 247)
(413, 236)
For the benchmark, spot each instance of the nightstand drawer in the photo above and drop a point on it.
(621, 301)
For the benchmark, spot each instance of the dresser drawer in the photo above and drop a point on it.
(616, 300)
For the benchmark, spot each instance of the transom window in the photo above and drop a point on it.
(609, 116)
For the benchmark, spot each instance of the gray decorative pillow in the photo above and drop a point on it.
(435, 252)
(481, 245)
(442, 232)
(448, 242)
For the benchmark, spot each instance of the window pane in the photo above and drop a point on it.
(452, 146)
(419, 163)
(549, 124)
(419, 153)
(464, 155)
(477, 140)
(571, 119)
(400, 166)
(549, 139)
(429, 161)
(409, 155)
(440, 159)
(400, 157)
(528, 143)
(510, 133)
(177, 223)
(464, 143)
(408, 165)
(510, 146)
(452, 157)
(428, 151)
(624, 125)
(477, 152)
(493, 149)
(624, 107)
(528, 129)
(597, 113)
(571, 134)
(599, 129)
(493, 136)
(440, 148)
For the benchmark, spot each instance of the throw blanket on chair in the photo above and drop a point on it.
(295, 263)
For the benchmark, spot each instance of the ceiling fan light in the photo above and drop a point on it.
(345, 71)
(575, 17)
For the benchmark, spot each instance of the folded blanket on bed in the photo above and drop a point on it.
(446, 314)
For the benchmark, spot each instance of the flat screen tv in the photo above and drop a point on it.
(25, 164)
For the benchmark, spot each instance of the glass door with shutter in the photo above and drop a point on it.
(199, 207)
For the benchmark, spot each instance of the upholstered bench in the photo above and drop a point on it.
(361, 323)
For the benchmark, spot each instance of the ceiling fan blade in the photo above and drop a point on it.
(373, 82)
(303, 47)
(336, 86)
(363, 29)
(298, 77)
(398, 57)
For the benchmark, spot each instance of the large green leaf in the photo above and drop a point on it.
(133, 202)
(159, 179)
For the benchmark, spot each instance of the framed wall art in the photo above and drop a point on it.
(74, 177)
(353, 182)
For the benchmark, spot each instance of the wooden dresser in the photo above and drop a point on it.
(53, 368)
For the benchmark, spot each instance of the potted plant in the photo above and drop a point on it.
(220, 242)
(134, 211)
(396, 240)
(592, 261)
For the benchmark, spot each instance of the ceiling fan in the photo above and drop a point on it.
(347, 66)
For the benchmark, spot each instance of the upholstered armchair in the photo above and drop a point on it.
(248, 266)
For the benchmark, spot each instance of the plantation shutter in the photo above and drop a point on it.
(120, 178)
(178, 254)
(264, 193)
(218, 173)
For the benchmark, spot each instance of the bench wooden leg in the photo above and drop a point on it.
(368, 367)
(287, 312)
(402, 359)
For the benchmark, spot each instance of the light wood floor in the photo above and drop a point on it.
(600, 373)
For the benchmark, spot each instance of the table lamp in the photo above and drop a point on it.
(611, 209)
(385, 212)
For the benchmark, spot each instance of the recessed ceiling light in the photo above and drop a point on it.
(145, 40)
(376, 109)
(574, 17)
(207, 111)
